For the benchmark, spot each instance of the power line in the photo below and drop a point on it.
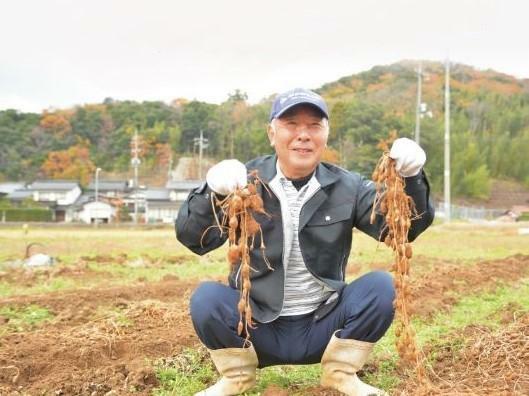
(447, 144)
(418, 109)
(135, 161)
(202, 143)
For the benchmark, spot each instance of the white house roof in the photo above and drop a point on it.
(157, 194)
(109, 185)
(86, 198)
(83, 199)
(53, 185)
(19, 195)
(163, 205)
(9, 187)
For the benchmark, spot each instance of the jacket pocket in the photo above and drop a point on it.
(328, 216)
(324, 240)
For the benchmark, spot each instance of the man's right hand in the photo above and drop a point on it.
(226, 176)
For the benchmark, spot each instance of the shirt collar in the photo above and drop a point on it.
(313, 182)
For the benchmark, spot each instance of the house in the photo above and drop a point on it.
(87, 210)
(57, 192)
(162, 203)
(57, 195)
(110, 188)
(67, 203)
(100, 212)
(182, 188)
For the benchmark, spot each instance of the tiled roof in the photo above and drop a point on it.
(157, 194)
(53, 185)
(19, 195)
(9, 187)
(109, 185)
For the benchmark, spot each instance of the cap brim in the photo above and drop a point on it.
(317, 106)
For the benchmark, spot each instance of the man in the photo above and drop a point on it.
(304, 311)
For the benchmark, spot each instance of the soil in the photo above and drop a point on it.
(439, 289)
(85, 352)
(103, 341)
(486, 362)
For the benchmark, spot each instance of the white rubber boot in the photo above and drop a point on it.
(237, 367)
(341, 361)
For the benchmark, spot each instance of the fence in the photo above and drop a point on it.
(468, 212)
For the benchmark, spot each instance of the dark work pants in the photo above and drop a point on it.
(364, 312)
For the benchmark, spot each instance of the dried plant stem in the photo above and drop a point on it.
(398, 209)
(238, 210)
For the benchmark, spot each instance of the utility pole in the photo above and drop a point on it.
(97, 183)
(418, 110)
(169, 171)
(96, 219)
(202, 143)
(447, 205)
(135, 164)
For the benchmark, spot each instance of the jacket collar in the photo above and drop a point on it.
(324, 172)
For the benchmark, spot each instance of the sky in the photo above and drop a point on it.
(58, 54)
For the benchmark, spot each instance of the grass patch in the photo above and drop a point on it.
(192, 370)
(117, 316)
(293, 378)
(481, 309)
(113, 274)
(55, 284)
(186, 373)
(14, 319)
(194, 267)
(467, 242)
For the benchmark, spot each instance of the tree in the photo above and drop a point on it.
(73, 163)
(56, 123)
(197, 116)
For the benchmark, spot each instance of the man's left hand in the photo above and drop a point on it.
(409, 157)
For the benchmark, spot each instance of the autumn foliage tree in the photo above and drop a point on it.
(163, 155)
(56, 123)
(72, 163)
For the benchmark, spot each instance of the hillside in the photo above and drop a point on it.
(490, 129)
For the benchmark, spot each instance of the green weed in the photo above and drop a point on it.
(14, 319)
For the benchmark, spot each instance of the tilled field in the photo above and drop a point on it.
(103, 341)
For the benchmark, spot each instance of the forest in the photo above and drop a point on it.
(489, 128)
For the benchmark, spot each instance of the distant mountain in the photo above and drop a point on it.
(395, 85)
(489, 119)
(489, 129)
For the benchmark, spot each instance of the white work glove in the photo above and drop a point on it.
(226, 176)
(409, 157)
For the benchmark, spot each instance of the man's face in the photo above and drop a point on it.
(299, 137)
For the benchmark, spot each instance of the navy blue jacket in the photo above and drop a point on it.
(326, 227)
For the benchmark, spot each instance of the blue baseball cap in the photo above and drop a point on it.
(294, 97)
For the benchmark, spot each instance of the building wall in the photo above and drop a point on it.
(96, 210)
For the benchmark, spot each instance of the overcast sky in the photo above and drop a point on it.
(61, 53)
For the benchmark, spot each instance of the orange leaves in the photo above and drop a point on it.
(72, 163)
(57, 123)
(163, 154)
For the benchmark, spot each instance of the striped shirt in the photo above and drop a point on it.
(303, 292)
